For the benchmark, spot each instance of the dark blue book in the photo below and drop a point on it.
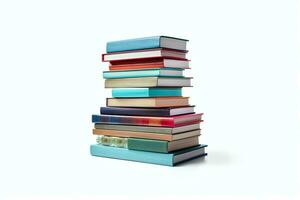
(160, 112)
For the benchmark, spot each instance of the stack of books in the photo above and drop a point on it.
(147, 119)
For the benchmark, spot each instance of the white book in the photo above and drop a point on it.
(150, 53)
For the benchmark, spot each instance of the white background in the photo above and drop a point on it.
(245, 63)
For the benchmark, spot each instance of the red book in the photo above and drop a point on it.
(148, 63)
(175, 121)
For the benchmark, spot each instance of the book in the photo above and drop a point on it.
(148, 144)
(149, 53)
(159, 112)
(148, 129)
(147, 43)
(145, 92)
(174, 121)
(147, 82)
(161, 146)
(163, 72)
(156, 102)
(145, 135)
(168, 159)
(148, 63)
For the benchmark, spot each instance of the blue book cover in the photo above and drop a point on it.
(169, 159)
(137, 43)
(166, 72)
(133, 44)
(146, 92)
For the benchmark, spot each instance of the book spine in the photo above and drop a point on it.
(114, 68)
(111, 119)
(145, 92)
(140, 82)
(146, 61)
(131, 74)
(148, 145)
(133, 44)
(132, 155)
(134, 134)
(134, 143)
(147, 129)
(137, 92)
(136, 112)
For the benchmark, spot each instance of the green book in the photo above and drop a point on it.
(147, 144)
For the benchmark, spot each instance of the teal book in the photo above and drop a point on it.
(159, 145)
(145, 92)
(141, 144)
(168, 159)
(146, 43)
(166, 72)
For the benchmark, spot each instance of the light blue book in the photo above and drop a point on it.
(169, 159)
(146, 43)
(168, 72)
(146, 92)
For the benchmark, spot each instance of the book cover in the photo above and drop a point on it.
(145, 92)
(168, 159)
(144, 43)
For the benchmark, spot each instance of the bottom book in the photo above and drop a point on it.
(169, 159)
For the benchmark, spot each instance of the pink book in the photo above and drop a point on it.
(174, 121)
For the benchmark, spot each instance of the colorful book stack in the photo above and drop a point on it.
(147, 119)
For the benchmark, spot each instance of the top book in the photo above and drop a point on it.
(147, 43)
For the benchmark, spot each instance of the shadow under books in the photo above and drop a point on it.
(213, 158)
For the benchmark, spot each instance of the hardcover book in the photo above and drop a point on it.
(161, 146)
(169, 159)
(175, 121)
(148, 63)
(145, 92)
(152, 102)
(147, 43)
(159, 112)
(147, 144)
(163, 72)
(154, 136)
(147, 82)
(140, 54)
(148, 129)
